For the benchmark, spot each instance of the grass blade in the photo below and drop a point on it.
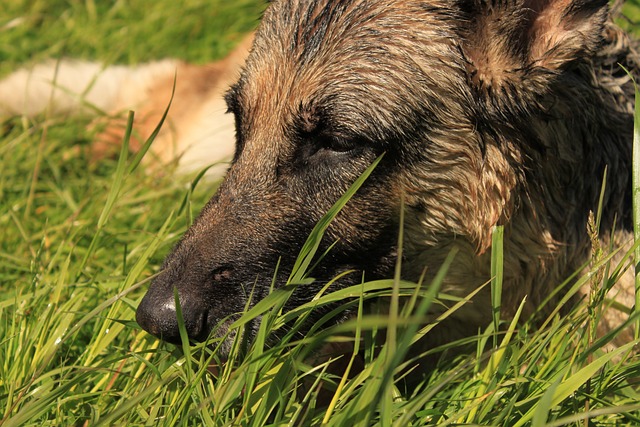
(497, 274)
(636, 200)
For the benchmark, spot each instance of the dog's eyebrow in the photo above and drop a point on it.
(309, 119)
(354, 120)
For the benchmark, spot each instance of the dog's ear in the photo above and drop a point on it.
(507, 42)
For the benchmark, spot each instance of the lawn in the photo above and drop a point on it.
(79, 244)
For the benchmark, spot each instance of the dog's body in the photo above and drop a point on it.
(487, 113)
(197, 132)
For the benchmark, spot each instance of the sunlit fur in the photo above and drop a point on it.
(498, 112)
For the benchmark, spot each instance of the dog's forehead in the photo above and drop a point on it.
(314, 23)
(364, 60)
(353, 36)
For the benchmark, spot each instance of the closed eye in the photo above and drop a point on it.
(337, 143)
(326, 145)
(316, 134)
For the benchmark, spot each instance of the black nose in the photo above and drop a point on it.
(157, 315)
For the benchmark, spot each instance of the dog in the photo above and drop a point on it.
(485, 113)
(482, 113)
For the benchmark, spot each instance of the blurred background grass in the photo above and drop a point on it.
(631, 19)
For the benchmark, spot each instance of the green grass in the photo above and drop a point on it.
(79, 244)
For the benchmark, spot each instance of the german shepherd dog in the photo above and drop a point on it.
(485, 113)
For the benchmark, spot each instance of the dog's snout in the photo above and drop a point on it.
(158, 315)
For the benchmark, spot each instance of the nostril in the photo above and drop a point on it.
(200, 331)
(222, 273)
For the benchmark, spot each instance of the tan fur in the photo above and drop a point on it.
(197, 131)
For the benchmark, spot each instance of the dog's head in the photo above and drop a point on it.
(444, 88)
